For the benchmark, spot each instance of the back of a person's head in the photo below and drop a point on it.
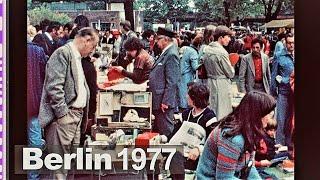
(81, 21)
(68, 26)
(74, 32)
(246, 118)
(53, 25)
(197, 41)
(44, 25)
(208, 33)
(147, 33)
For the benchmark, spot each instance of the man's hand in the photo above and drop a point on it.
(119, 69)
(164, 107)
(194, 154)
(265, 163)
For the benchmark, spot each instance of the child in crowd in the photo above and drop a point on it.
(268, 150)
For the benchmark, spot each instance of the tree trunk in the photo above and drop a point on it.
(226, 6)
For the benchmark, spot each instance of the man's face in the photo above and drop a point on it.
(132, 54)
(225, 40)
(150, 39)
(272, 133)
(122, 30)
(160, 41)
(57, 33)
(256, 48)
(89, 45)
(290, 44)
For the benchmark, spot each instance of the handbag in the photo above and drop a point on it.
(202, 72)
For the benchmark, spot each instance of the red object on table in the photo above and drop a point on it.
(143, 140)
(114, 75)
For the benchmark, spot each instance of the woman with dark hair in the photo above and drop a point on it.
(148, 39)
(201, 116)
(230, 148)
(142, 61)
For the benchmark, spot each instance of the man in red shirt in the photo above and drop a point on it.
(254, 73)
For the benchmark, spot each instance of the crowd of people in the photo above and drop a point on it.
(188, 73)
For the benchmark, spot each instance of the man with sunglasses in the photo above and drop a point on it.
(163, 82)
(65, 97)
(254, 73)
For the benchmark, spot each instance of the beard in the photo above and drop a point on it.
(256, 54)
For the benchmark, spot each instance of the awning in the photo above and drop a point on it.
(289, 23)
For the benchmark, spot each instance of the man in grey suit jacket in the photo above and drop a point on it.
(163, 82)
(254, 73)
(65, 96)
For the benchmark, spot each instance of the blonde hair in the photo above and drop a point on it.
(272, 124)
(31, 31)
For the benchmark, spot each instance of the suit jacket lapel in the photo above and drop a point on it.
(160, 58)
(264, 63)
(74, 70)
(251, 65)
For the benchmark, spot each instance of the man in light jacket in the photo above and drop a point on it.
(65, 96)
(254, 73)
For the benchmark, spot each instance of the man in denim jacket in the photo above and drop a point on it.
(282, 68)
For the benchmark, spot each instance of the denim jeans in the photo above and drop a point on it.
(35, 140)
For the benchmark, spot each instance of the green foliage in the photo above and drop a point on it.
(38, 14)
(158, 11)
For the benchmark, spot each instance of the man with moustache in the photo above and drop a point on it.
(254, 73)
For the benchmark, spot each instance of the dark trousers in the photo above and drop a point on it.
(163, 122)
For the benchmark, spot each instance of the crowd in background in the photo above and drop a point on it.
(189, 73)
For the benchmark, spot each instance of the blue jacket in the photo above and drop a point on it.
(164, 78)
(283, 65)
(223, 158)
(36, 61)
(189, 61)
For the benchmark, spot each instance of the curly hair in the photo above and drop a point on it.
(133, 44)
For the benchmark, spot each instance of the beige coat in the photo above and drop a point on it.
(219, 70)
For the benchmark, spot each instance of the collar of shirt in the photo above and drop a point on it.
(165, 49)
(49, 36)
(75, 51)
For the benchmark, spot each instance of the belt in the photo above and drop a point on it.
(77, 109)
(259, 82)
(217, 76)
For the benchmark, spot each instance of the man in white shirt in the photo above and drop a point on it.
(65, 97)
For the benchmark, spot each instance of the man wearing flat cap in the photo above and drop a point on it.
(219, 71)
(126, 34)
(163, 82)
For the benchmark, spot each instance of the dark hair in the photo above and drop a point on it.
(74, 32)
(246, 118)
(126, 25)
(257, 40)
(82, 21)
(199, 94)
(147, 33)
(281, 36)
(272, 124)
(133, 44)
(69, 25)
(38, 28)
(197, 40)
(54, 25)
(208, 32)
(289, 35)
(44, 25)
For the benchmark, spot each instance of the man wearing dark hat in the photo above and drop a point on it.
(163, 82)
(126, 34)
(219, 71)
